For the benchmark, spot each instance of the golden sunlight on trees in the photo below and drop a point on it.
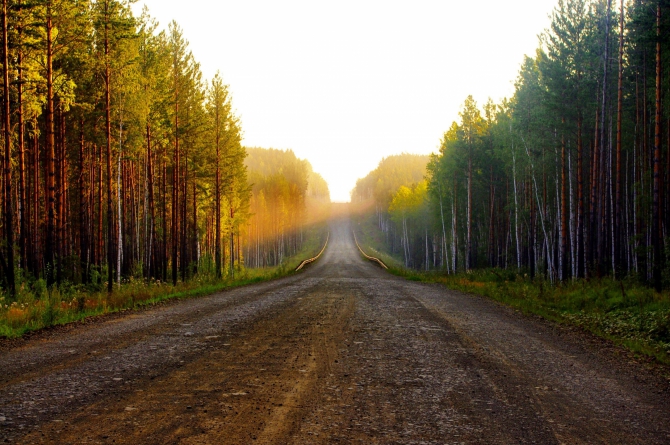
(286, 197)
(120, 161)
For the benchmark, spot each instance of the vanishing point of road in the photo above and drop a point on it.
(340, 353)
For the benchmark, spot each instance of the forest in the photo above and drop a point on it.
(287, 196)
(120, 161)
(569, 178)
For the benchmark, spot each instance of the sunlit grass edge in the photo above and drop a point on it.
(625, 313)
(37, 307)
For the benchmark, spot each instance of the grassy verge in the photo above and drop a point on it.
(624, 312)
(37, 307)
(373, 242)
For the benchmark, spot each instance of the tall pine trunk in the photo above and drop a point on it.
(580, 199)
(151, 255)
(657, 228)
(217, 235)
(50, 198)
(24, 213)
(83, 211)
(617, 206)
(108, 133)
(175, 179)
(564, 209)
(468, 249)
(9, 230)
(602, 140)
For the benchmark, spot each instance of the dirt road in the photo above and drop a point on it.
(342, 353)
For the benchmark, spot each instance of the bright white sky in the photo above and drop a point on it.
(344, 83)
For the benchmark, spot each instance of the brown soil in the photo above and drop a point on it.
(342, 353)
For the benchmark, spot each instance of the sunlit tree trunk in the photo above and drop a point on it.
(119, 203)
(232, 243)
(175, 178)
(50, 198)
(24, 213)
(217, 217)
(83, 211)
(183, 255)
(9, 230)
(196, 256)
(151, 256)
(108, 133)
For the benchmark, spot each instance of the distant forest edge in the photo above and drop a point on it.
(286, 196)
(570, 177)
(119, 161)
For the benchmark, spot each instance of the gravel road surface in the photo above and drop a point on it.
(340, 353)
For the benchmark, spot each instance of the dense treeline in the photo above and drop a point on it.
(119, 160)
(395, 188)
(571, 176)
(287, 196)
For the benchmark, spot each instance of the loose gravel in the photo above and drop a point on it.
(341, 353)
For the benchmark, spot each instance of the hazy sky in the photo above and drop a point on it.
(345, 83)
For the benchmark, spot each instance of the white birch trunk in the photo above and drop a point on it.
(516, 212)
(454, 240)
(444, 236)
(541, 213)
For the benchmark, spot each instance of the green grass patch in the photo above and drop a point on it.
(625, 312)
(36, 307)
(373, 242)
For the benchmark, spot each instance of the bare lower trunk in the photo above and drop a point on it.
(50, 198)
(617, 210)
(119, 248)
(9, 230)
(108, 130)
(516, 214)
(656, 229)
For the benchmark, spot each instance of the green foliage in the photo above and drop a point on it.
(625, 313)
(287, 196)
(167, 126)
(37, 307)
(391, 173)
(531, 183)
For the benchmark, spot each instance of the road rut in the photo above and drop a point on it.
(340, 353)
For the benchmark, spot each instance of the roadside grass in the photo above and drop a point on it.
(37, 307)
(626, 312)
(373, 242)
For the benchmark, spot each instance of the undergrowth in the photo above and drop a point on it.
(37, 306)
(625, 312)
